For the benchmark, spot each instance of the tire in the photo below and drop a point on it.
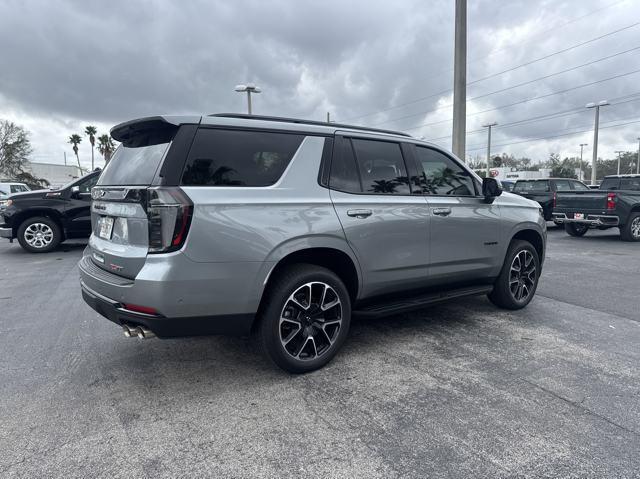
(505, 292)
(39, 234)
(631, 230)
(574, 229)
(285, 326)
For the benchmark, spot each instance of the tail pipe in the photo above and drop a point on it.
(137, 332)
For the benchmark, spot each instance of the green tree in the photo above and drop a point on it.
(75, 140)
(91, 132)
(15, 147)
(106, 147)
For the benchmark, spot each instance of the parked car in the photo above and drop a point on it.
(544, 191)
(11, 187)
(616, 204)
(42, 219)
(287, 228)
(4, 197)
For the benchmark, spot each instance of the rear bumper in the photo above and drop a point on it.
(191, 298)
(231, 325)
(591, 220)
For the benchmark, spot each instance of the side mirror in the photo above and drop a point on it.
(75, 190)
(491, 188)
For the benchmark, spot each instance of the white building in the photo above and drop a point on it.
(507, 173)
(57, 175)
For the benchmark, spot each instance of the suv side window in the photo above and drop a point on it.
(238, 157)
(563, 185)
(18, 189)
(441, 175)
(344, 173)
(381, 167)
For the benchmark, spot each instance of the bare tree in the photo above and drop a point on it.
(15, 147)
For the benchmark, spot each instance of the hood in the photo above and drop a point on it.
(30, 194)
(514, 199)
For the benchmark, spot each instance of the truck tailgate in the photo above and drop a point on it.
(581, 201)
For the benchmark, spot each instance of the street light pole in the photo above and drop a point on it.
(249, 88)
(489, 125)
(460, 81)
(638, 165)
(618, 152)
(582, 145)
(595, 138)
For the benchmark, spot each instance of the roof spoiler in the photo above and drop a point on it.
(126, 131)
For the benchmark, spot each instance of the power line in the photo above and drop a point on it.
(510, 104)
(417, 100)
(554, 136)
(549, 116)
(584, 85)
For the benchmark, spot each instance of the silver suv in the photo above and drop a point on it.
(235, 224)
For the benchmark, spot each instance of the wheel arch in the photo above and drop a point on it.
(21, 217)
(533, 236)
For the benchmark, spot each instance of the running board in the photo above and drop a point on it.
(417, 302)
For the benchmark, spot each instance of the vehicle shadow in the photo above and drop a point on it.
(184, 363)
(16, 249)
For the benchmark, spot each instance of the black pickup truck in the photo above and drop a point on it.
(544, 191)
(616, 204)
(40, 220)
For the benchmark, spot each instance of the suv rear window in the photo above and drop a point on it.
(134, 165)
(523, 186)
(238, 158)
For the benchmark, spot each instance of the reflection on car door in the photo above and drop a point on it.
(464, 230)
(386, 226)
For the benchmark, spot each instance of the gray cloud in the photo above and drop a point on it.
(68, 63)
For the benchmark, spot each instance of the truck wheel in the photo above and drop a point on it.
(631, 230)
(575, 229)
(305, 319)
(518, 280)
(39, 234)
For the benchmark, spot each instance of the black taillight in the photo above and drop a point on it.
(169, 213)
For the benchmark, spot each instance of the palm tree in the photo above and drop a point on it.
(91, 131)
(106, 147)
(75, 140)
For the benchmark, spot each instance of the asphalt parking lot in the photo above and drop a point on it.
(459, 390)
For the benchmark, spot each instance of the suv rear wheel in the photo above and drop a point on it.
(39, 234)
(518, 280)
(305, 319)
(631, 231)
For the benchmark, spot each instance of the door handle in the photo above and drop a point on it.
(441, 211)
(359, 213)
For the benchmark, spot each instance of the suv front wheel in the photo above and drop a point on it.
(518, 280)
(305, 319)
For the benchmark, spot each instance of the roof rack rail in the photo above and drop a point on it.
(307, 122)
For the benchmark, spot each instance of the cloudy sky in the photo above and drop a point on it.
(66, 64)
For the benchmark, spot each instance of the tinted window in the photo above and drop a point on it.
(344, 175)
(610, 184)
(630, 184)
(381, 167)
(563, 185)
(86, 185)
(525, 186)
(238, 158)
(18, 188)
(578, 186)
(133, 165)
(442, 175)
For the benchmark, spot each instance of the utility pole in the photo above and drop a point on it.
(249, 88)
(460, 81)
(489, 125)
(638, 165)
(582, 145)
(594, 160)
(328, 117)
(619, 152)
(65, 158)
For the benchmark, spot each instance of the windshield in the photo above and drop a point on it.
(610, 184)
(133, 165)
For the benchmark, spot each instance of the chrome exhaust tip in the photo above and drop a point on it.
(129, 332)
(144, 333)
